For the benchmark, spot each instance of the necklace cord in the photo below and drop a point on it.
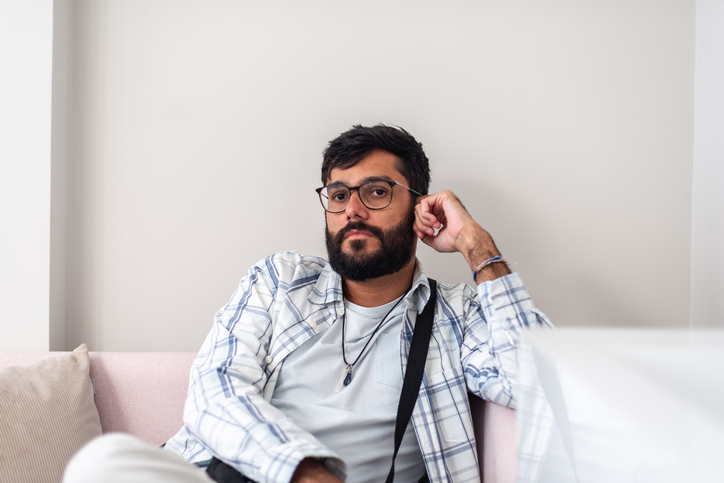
(369, 339)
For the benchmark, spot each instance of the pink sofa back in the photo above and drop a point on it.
(140, 393)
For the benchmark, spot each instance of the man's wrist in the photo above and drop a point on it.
(477, 246)
(491, 272)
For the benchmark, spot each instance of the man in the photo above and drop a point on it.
(300, 377)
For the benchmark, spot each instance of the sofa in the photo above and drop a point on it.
(143, 393)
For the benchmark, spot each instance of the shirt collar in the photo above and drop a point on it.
(328, 288)
(420, 292)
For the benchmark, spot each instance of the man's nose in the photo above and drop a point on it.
(355, 208)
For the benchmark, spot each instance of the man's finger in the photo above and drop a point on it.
(426, 211)
(424, 230)
(425, 224)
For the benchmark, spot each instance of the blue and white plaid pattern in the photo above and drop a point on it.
(286, 299)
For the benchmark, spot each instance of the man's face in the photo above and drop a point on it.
(364, 243)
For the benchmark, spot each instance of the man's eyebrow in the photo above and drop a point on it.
(366, 180)
(376, 178)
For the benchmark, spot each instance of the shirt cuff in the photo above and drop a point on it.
(506, 299)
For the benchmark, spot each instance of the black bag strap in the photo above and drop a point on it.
(414, 372)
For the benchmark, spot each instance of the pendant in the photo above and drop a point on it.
(345, 379)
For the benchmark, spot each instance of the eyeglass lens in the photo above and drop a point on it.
(374, 195)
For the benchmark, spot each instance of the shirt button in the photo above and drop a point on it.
(340, 311)
(269, 359)
(312, 324)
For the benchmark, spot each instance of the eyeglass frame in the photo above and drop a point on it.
(353, 188)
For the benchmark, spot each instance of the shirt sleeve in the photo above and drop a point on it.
(225, 410)
(494, 321)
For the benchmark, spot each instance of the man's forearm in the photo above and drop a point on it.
(477, 247)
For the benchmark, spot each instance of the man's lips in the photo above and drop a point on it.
(359, 231)
(358, 234)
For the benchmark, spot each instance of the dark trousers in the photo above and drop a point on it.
(223, 473)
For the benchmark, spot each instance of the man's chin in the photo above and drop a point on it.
(361, 255)
(356, 247)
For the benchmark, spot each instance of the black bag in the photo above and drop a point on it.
(223, 473)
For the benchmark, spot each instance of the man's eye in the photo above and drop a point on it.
(338, 196)
(378, 192)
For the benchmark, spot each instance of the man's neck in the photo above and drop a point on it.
(381, 290)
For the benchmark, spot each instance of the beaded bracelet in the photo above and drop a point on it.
(487, 262)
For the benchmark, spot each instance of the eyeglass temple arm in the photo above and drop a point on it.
(407, 187)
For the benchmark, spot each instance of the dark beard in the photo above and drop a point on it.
(397, 247)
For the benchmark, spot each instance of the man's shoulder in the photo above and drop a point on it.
(456, 291)
(290, 265)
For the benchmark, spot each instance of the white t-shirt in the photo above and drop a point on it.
(358, 423)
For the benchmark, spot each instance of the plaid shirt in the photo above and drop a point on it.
(285, 300)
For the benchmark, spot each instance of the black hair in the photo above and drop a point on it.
(352, 146)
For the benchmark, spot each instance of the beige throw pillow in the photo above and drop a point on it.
(47, 413)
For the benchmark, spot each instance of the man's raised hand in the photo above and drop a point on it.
(458, 232)
(444, 211)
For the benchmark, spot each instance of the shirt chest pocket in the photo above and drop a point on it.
(387, 361)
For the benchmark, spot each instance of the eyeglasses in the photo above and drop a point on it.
(375, 195)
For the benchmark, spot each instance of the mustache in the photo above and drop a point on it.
(358, 225)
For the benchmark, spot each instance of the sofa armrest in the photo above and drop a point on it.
(495, 434)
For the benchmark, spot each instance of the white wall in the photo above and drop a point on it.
(707, 256)
(564, 126)
(26, 49)
(35, 95)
